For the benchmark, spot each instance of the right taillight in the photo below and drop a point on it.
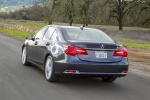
(121, 52)
(73, 50)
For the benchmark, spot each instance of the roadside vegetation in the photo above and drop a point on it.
(40, 24)
(132, 13)
(14, 32)
(136, 43)
(133, 43)
(32, 24)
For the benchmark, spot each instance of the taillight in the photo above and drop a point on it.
(121, 52)
(73, 50)
(81, 51)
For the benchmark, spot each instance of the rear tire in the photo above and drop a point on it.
(24, 57)
(109, 79)
(49, 70)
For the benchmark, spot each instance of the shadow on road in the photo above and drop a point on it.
(80, 83)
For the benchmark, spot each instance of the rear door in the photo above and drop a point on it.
(43, 45)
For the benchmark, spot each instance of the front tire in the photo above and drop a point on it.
(109, 79)
(24, 57)
(49, 70)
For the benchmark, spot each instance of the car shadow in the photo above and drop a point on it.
(80, 82)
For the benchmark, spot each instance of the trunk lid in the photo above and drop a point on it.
(98, 52)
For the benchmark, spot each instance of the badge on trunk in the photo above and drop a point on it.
(102, 46)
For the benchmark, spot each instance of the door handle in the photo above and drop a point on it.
(36, 42)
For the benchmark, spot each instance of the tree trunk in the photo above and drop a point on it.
(71, 21)
(50, 21)
(120, 17)
(83, 24)
(120, 24)
(87, 24)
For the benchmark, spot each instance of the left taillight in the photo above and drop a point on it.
(121, 52)
(73, 50)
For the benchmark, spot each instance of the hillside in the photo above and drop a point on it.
(4, 3)
(12, 5)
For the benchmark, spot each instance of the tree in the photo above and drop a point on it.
(49, 6)
(119, 8)
(33, 13)
(69, 10)
(84, 11)
(145, 9)
(99, 12)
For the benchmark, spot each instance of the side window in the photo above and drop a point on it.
(40, 33)
(55, 36)
(49, 33)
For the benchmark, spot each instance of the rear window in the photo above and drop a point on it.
(86, 35)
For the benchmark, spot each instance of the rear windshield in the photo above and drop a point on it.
(85, 35)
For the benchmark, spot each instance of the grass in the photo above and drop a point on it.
(32, 24)
(13, 32)
(133, 43)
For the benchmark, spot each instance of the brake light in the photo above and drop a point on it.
(73, 50)
(121, 52)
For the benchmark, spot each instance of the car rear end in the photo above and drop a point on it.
(86, 56)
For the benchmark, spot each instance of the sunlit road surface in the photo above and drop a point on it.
(28, 83)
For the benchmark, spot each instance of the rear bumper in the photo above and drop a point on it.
(118, 69)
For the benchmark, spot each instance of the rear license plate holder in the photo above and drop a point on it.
(100, 54)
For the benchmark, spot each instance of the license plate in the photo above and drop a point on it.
(100, 54)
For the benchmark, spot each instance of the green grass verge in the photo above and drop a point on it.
(31, 24)
(13, 32)
(134, 43)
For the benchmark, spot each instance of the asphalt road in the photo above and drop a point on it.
(28, 83)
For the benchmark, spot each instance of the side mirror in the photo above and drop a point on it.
(30, 37)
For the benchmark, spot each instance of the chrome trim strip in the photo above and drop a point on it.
(90, 73)
(100, 49)
(102, 73)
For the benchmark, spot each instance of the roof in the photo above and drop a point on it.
(60, 26)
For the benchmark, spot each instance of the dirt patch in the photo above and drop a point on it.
(139, 55)
(139, 60)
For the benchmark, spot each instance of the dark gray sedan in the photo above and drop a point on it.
(66, 50)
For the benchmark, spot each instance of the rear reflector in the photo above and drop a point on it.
(71, 71)
(125, 72)
(121, 52)
(73, 50)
